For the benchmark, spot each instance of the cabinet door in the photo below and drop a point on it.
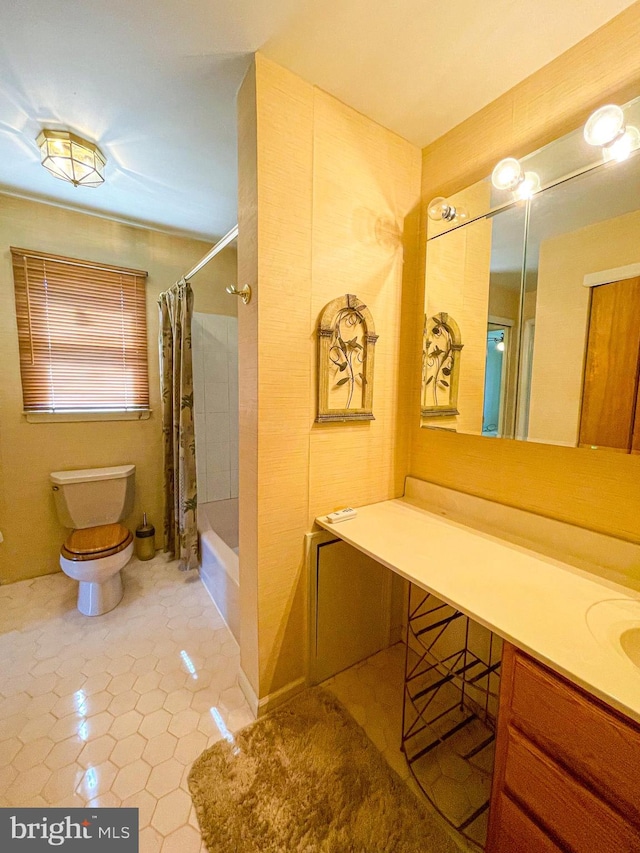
(564, 761)
(599, 746)
(610, 393)
(516, 833)
(635, 441)
(561, 805)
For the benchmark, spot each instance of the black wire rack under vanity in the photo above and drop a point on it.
(450, 706)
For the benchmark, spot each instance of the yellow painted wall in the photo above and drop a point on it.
(504, 297)
(562, 317)
(337, 210)
(29, 451)
(209, 296)
(589, 488)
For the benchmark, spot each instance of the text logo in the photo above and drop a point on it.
(32, 830)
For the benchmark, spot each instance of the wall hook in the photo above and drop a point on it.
(244, 293)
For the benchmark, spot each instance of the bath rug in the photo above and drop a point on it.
(307, 779)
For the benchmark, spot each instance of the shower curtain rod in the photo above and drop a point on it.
(219, 246)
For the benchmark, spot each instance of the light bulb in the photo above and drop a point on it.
(439, 209)
(500, 346)
(604, 125)
(507, 174)
(529, 186)
(620, 148)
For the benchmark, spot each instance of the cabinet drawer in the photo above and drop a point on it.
(598, 745)
(516, 832)
(561, 804)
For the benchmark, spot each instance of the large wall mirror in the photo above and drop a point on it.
(542, 278)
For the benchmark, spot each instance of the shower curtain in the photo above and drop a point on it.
(176, 385)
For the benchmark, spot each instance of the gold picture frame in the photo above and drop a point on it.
(346, 347)
(441, 346)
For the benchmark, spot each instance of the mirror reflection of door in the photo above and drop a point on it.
(495, 378)
(610, 415)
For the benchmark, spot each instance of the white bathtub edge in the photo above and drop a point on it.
(219, 573)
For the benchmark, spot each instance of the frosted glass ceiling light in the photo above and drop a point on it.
(440, 210)
(508, 174)
(71, 158)
(620, 148)
(604, 126)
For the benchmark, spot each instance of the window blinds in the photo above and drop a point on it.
(82, 334)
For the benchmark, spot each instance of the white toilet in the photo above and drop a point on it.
(93, 501)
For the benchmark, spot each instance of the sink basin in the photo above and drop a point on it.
(630, 643)
(616, 624)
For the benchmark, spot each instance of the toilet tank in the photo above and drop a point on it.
(90, 497)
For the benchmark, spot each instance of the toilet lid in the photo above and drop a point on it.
(94, 541)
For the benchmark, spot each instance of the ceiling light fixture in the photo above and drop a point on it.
(71, 158)
(605, 125)
(440, 210)
(508, 174)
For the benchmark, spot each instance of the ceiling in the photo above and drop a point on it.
(154, 83)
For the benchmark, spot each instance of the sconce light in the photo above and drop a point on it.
(605, 125)
(621, 147)
(606, 128)
(440, 210)
(508, 174)
(529, 185)
(71, 158)
(500, 342)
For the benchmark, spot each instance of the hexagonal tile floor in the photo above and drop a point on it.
(113, 710)
(372, 692)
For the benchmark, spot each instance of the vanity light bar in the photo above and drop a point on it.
(605, 128)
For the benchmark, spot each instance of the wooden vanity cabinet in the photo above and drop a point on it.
(567, 769)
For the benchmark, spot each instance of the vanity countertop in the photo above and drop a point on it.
(532, 600)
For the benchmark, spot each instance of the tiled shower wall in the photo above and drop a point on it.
(215, 392)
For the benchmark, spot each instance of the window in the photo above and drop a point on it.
(82, 334)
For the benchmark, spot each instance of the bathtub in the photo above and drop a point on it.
(219, 571)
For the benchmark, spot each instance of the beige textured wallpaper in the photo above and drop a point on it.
(29, 451)
(337, 197)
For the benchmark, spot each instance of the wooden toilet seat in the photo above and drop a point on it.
(92, 543)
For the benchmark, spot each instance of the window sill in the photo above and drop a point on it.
(75, 417)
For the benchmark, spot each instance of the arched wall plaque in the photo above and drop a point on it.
(440, 365)
(346, 342)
